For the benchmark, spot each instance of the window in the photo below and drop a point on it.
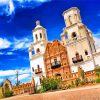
(74, 35)
(38, 50)
(55, 60)
(77, 56)
(75, 17)
(38, 67)
(36, 37)
(40, 35)
(70, 20)
(32, 69)
(86, 52)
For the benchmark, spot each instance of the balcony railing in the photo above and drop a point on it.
(56, 64)
(37, 71)
(77, 59)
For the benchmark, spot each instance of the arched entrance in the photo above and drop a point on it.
(7, 86)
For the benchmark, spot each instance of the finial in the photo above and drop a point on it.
(37, 22)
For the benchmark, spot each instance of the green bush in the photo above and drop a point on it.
(68, 86)
(8, 94)
(77, 82)
(98, 80)
(97, 70)
(50, 84)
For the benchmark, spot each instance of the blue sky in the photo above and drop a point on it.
(17, 19)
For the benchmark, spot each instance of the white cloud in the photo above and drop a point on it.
(9, 53)
(20, 77)
(11, 7)
(8, 7)
(42, 0)
(1, 53)
(1, 80)
(13, 72)
(3, 2)
(21, 44)
(4, 43)
(23, 76)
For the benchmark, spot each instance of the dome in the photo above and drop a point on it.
(38, 24)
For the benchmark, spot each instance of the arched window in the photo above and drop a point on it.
(77, 56)
(40, 35)
(86, 52)
(32, 69)
(55, 60)
(38, 50)
(38, 67)
(74, 35)
(36, 37)
(70, 20)
(76, 17)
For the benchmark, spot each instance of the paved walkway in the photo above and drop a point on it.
(84, 93)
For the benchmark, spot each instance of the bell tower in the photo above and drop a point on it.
(78, 40)
(36, 52)
(72, 16)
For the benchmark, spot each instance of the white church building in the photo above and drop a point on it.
(76, 37)
(36, 53)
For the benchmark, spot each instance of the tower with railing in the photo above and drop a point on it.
(36, 52)
(78, 40)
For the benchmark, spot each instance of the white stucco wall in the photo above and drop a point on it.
(37, 61)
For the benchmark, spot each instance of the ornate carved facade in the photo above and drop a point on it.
(56, 60)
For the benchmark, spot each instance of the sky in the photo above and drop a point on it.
(17, 20)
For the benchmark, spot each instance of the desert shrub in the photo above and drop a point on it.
(97, 70)
(77, 82)
(98, 80)
(8, 94)
(54, 83)
(50, 84)
(68, 86)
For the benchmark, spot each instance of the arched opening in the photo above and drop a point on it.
(74, 35)
(75, 17)
(7, 88)
(77, 56)
(38, 50)
(40, 36)
(38, 67)
(36, 37)
(55, 60)
(32, 69)
(70, 20)
(86, 52)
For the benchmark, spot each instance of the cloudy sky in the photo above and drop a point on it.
(17, 19)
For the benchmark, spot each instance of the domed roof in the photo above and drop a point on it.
(38, 25)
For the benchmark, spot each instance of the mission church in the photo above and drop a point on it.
(64, 58)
